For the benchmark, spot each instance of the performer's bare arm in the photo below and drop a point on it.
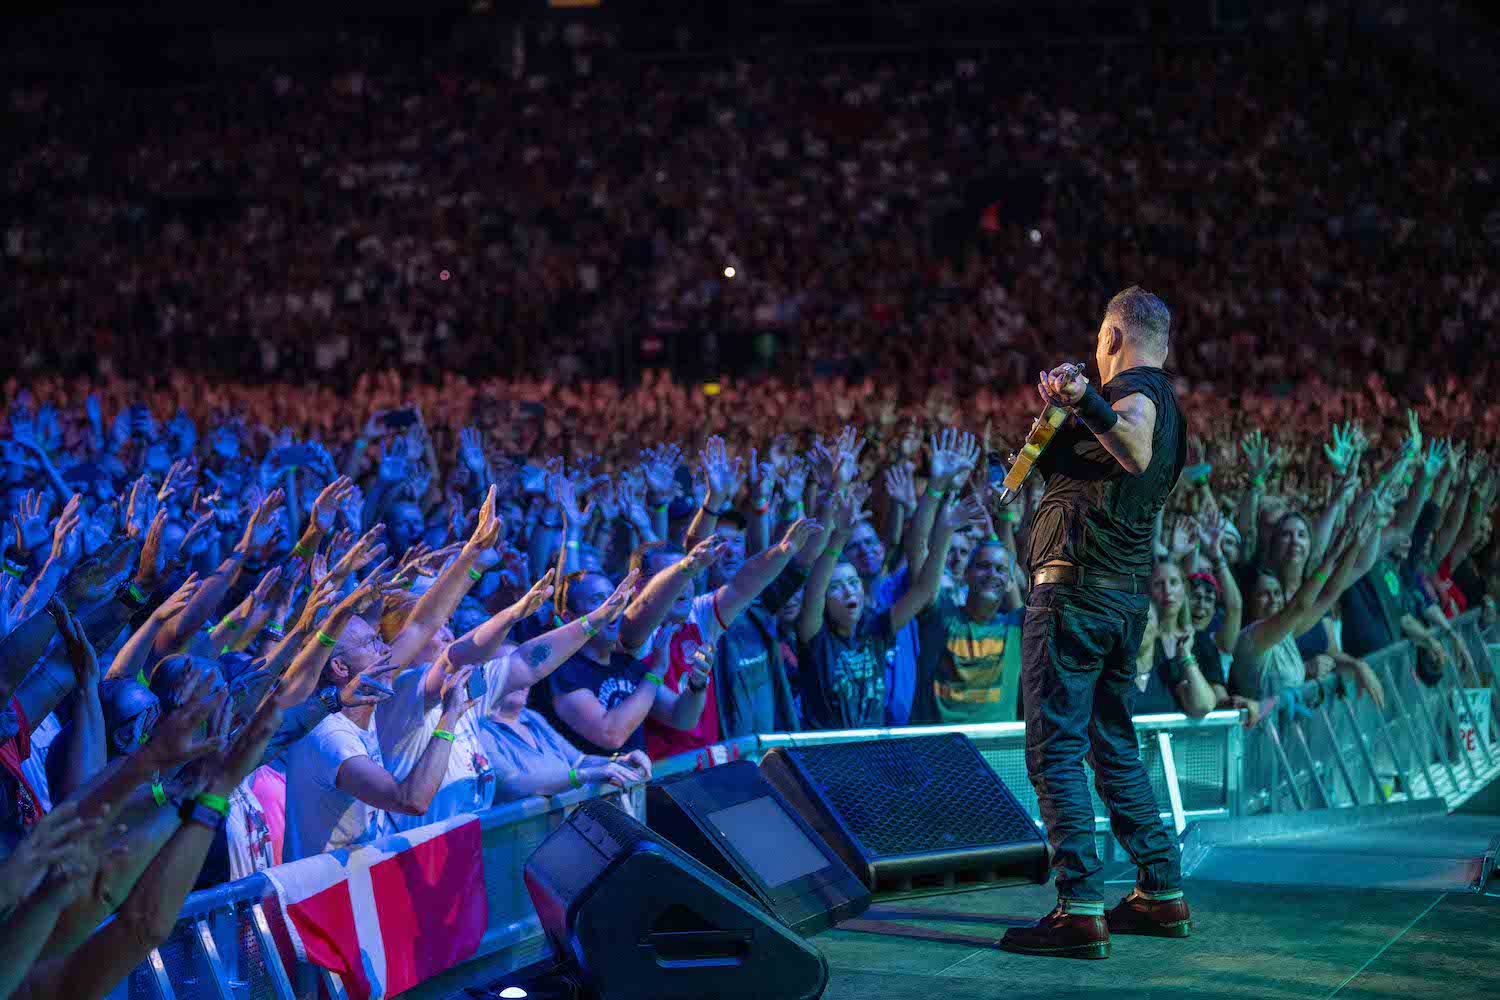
(1129, 440)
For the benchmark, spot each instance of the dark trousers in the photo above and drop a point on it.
(1077, 667)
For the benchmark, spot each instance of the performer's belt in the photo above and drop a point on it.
(1073, 576)
(968, 696)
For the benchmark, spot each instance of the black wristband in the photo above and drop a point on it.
(717, 513)
(1095, 412)
(193, 811)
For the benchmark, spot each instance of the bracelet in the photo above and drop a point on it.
(443, 734)
(197, 811)
(135, 593)
(141, 678)
(696, 688)
(832, 551)
(1010, 516)
(1257, 481)
(1094, 411)
(327, 639)
(475, 575)
(573, 778)
(937, 494)
(15, 571)
(571, 543)
(158, 793)
(276, 631)
(994, 537)
(230, 624)
(799, 507)
(654, 678)
(217, 803)
(1320, 576)
(588, 626)
(717, 513)
(759, 510)
(661, 508)
(298, 550)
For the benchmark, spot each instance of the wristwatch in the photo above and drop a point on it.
(328, 697)
(131, 596)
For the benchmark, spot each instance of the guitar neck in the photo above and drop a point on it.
(1042, 431)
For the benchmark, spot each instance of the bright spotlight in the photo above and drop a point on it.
(513, 993)
(729, 271)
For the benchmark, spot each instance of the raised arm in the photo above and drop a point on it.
(723, 477)
(648, 610)
(435, 607)
(534, 660)
(924, 588)
(758, 573)
(951, 458)
(842, 514)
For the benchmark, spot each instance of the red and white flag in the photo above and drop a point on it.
(388, 915)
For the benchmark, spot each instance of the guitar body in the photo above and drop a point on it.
(1043, 430)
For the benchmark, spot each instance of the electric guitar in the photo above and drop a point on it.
(1043, 429)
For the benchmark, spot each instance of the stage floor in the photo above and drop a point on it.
(1250, 941)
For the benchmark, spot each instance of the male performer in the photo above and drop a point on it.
(1107, 473)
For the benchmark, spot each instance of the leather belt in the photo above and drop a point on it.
(1073, 576)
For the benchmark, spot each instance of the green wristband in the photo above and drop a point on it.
(135, 593)
(298, 550)
(1010, 515)
(588, 627)
(994, 538)
(1320, 576)
(140, 677)
(654, 678)
(831, 551)
(662, 509)
(14, 571)
(443, 734)
(158, 793)
(573, 778)
(217, 803)
(327, 639)
(475, 575)
(1257, 480)
(935, 493)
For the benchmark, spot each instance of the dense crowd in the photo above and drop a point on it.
(228, 643)
(1310, 209)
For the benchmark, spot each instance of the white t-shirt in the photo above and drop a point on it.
(406, 725)
(319, 817)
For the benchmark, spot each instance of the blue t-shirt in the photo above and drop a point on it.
(903, 656)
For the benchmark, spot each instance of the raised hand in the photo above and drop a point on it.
(704, 555)
(1438, 450)
(762, 482)
(326, 507)
(953, 457)
(794, 482)
(1182, 539)
(800, 535)
(260, 530)
(539, 594)
(968, 511)
(175, 604)
(361, 553)
(900, 488)
(67, 538)
(395, 467)
(80, 651)
(564, 493)
(1260, 456)
(471, 450)
(30, 524)
(615, 604)
(722, 475)
(659, 466)
(200, 535)
(179, 479)
(1341, 453)
(1413, 433)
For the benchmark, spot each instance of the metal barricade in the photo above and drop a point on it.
(1337, 750)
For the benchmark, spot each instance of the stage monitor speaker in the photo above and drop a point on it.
(642, 920)
(731, 819)
(909, 814)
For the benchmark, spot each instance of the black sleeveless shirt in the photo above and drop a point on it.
(1093, 514)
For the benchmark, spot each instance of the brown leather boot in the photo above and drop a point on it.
(1154, 917)
(1061, 935)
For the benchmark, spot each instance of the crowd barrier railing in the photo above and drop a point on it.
(1322, 747)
